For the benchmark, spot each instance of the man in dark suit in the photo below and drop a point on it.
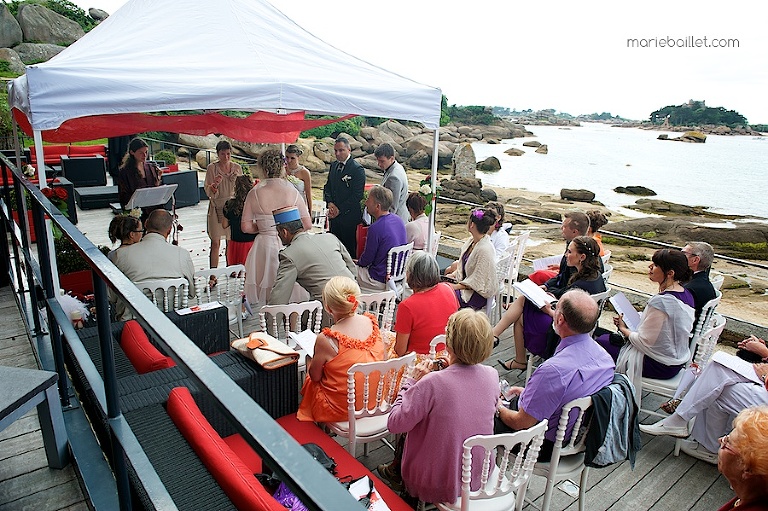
(700, 256)
(342, 193)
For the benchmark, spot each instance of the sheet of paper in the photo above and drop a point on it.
(534, 293)
(622, 306)
(198, 308)
(360, 488)
(546, 262)
(305, 340)
(739, 365)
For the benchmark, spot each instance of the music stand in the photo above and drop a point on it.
(157, 195)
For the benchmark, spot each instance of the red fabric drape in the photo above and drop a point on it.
(264, 127)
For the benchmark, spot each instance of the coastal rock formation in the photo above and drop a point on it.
(490, 164)
(577, 195)
(462, 188)
(464, 162)
(514, 151)
(635, 190)
(10, 31)
(488, 194)
(542, 149)
(695, 137)
(531, 143)
(31, 53)
(664, 207)
(42, 25)
(97, 14)
(15, 65)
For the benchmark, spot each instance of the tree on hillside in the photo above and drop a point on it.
(697, 113)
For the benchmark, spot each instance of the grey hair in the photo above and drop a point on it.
(705, 252)
(382, 196)
(422, 271)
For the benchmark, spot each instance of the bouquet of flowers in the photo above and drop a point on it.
(425, 189)
(58, 197)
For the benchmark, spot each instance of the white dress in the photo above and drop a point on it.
(262, 261)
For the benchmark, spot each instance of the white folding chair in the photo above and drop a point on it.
(367, 417)
(567, 459)
(397, 258)
(517, 249)
(228, 290)
(493, 306)
(701, 351)
(382, 305)
(705, 318)
(508, 461)
(436, 340)
(606, 257)
(607, 272)
(166, 294)
(319, 215)
(717, 280)
(289, 318)
(436, 242)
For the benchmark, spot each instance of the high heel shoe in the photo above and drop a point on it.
(510, 366)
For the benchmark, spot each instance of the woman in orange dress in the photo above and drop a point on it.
(352, 339)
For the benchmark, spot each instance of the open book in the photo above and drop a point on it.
(744, 368)
(534, 293)
(622, 306)
(546, 262)
(305, 340)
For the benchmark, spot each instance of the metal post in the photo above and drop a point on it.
(110, 387)
(36, 215)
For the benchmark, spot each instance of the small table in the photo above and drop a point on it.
(25, 388)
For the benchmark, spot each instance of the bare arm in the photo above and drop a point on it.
(401, 343)
(323, 353)
(306, 177)
(516, 419)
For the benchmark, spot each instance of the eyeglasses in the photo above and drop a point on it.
(725, 443)
(689, 254)
(143, 231)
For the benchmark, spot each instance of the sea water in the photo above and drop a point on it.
(727, 173)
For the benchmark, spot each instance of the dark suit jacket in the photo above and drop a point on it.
(702, 290)
(345, 189)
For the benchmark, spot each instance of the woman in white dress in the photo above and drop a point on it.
(272, 193)
(302, 178)
(219, 187)
(417, 230)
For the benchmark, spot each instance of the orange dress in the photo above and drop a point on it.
(326, 400)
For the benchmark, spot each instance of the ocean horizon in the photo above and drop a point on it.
(725, 174)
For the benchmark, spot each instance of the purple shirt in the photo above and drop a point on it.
(579, 368)
(386, 232)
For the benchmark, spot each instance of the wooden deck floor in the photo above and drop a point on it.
(659, 481)
(26, 482)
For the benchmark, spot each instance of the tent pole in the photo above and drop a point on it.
(433, 181)
(37, 135)
(16, 143)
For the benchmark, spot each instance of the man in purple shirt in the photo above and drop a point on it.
(579, 368)
(385, 232)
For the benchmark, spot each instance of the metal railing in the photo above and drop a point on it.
(280, 452)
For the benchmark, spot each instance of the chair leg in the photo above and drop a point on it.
(365, 449)
(583, 488)
(529, 366)
(352, 446)
(678, 443)
(548, 492)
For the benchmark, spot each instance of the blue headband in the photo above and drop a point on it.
(284, 216)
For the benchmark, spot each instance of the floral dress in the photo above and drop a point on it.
(326, 400)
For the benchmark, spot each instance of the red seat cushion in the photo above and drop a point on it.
(142, 354)
(51, 153)
(87, 150)
(234, 477)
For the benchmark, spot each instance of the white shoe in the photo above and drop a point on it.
(696, 450)
(659, 429)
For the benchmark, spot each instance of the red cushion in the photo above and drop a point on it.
(87, 150)
(51, 153)
(234, 477)
(346, 465)
(245, 452)
(142, 354)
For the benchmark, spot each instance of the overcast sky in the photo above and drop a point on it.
(570, 56)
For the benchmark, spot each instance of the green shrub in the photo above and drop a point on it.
(71, 11)
(167, 156)
(351, 126)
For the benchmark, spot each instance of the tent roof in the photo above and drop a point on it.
(153, 56)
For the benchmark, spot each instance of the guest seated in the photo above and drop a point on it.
(439, 410)
(474, 274)
(700, 256)
(596, 221)
(125, 228)
(659, 348)
(417, 230)
(575, 223)
(352, 339)
(386, 232)
(714, 399)
(743, 460)
(579, 368)
(533, 325)
(424, 314)
(753, 349)
(498, 234)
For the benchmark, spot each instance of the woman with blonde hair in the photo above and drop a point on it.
(354, 338)
(271, 194)
(439, 410)
(219, 186)
(743, 460)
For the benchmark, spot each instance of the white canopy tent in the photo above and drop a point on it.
(154, 56)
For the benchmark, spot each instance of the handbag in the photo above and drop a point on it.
(265, 350)
(321, 457)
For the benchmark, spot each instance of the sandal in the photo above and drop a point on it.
(670, 406)
(513, 365)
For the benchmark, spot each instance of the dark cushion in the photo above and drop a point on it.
(234, 477)
(142, 354)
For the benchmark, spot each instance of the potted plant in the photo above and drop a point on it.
(58, 197)
(74, 273)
